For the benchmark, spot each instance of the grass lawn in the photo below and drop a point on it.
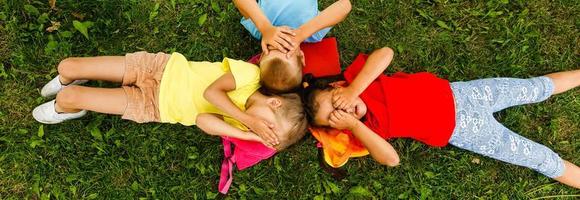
(104, 157)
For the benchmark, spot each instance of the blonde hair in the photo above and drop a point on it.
(280, 76)
(293, 112)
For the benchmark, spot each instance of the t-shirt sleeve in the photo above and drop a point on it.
(353, 69)
(245, 74)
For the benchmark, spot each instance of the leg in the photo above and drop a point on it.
(106, 68)
(477, 131)
(496, 141)
(104, 100)
(571, 175)
(564, 81)
(497, 94)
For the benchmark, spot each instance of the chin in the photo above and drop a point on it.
(360, 111)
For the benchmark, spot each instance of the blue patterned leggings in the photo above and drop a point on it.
(478, 131)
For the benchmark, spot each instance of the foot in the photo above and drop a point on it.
(47, 114)
(54, 86)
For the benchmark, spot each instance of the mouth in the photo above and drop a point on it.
(357, 111)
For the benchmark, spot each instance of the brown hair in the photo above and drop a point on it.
(312, 86)
(280, 76)
(293, 112)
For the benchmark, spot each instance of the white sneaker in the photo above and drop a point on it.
(47, 114)
(54, 86)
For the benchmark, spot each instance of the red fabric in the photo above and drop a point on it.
(245, 154)
(418, 106)
(322, 58)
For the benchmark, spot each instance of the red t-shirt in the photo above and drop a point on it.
(418, 106)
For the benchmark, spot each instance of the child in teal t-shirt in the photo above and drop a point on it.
(283, 24)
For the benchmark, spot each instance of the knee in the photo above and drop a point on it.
(66, 67)
(68, 97)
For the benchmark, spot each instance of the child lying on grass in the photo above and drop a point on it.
(374, 107)
(221, 98)
(282, 26)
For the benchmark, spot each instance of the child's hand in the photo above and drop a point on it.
(251, 136)
(298, 38)
(343, 98)
(264, 129)
(341, 120)
(279, 37)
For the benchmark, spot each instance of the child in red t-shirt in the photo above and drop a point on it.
(374, 107)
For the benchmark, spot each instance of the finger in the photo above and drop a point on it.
(343, 105)
(335, 115)
(336, 104)
(290, 53)
(335, 98)
(273, 137)
(288, 39)
(287, 30)
(338, 114)
(332, 119)
(265, 48)
(279, 47)
(284, 43)
(339, 104)
(332, 123)
(350, 110)
(335, 95)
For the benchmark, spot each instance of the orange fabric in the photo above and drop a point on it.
(337, 146)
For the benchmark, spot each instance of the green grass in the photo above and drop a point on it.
(104, 157)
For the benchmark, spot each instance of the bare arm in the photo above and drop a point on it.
(250, 9)
(375, 65)
(216, 94)
(215, 125)
(330, 16)
(381, 150)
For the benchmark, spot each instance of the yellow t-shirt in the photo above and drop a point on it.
(184, 82)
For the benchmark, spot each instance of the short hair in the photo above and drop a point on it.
(293, 112)
(280, 76)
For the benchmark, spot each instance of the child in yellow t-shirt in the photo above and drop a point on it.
(221, 98)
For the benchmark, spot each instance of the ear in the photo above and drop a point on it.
(337, 84)
(302, 59)
(274, 102)
(262, 55)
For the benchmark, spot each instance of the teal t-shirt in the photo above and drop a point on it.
(292, 13)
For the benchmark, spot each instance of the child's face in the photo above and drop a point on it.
(265, 111)
(323, 100)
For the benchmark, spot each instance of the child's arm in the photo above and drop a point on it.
(216, 94)
(375, 65)
(215, 125)
(278, 37)
(381, 150)
(330, 16)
